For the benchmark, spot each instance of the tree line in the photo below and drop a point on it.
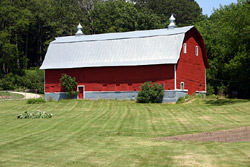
(227, 38)
(28, 26)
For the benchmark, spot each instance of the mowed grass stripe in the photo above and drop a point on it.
(158, 118)
(106, 120)
(46, 129)
(80, 125)
(150, 121)
(122, 116)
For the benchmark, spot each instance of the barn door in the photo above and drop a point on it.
(80, 89)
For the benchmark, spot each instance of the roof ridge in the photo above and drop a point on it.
(123, 35)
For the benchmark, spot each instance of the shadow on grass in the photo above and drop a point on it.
(220, 102)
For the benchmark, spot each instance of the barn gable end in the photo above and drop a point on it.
(191, 68)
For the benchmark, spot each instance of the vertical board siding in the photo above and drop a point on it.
(113, 78)
(191, 68)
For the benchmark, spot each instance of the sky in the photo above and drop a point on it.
(208, 5)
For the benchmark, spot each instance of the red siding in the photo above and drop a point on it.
(191, 68)
(113, 78)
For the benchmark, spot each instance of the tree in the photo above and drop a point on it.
(120, 16)
(14, 22)
(226, 34)
(187, 12)
(69, 84)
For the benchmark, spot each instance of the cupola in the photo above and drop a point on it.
(172, 23)
(79, 30)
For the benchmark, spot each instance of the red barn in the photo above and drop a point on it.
(115, 65)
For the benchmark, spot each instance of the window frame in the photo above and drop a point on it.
(182, 85)
(196, 50)
(185, 48)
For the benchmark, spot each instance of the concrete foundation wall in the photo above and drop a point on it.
(112, 95)
(56, 96)
(173, 95)
(169, 96)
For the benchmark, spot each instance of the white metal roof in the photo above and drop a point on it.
(149, 47)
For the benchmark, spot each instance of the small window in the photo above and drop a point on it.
(196, 51)
(182, 85)
(185, 48)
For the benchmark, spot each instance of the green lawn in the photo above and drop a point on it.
(9, 96)
(121, 133)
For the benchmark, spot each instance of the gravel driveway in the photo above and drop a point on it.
(28, 95)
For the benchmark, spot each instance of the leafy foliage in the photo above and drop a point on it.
(10, 82)
(181, 100)
(226, 34)
(15, 20)
(187, 12)
(187, 98)
(69, 84)
(124, 17)
(34, 79)
(30, 79)
(33, 115)
(150, 93)
(36, 101)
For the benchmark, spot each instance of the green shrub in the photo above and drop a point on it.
(188, 98)
(150, 93)
(181, 100)
(36, 114)
(69, 84)
(34, 79)
(10, 81)
(213, 96)
(36, 101)
(210, 89)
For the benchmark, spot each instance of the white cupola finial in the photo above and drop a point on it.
(79, 30)
(172, 23)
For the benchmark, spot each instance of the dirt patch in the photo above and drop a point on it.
(232, 135)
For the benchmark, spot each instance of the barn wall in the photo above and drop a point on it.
(109, 79)
(191, 68)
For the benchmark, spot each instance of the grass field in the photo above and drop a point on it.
(9, 96)
(121, 133)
